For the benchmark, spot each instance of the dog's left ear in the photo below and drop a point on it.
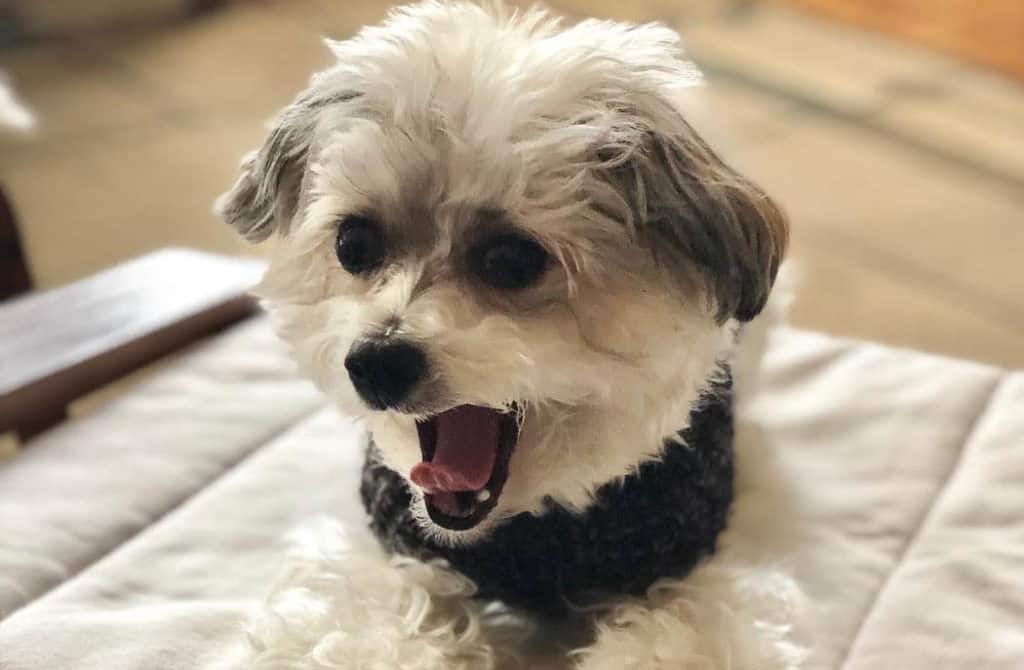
(267, 194)
(703, 222)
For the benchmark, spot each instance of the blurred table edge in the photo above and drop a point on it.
(59, 345)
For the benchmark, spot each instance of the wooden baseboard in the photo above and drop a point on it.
(985, 32)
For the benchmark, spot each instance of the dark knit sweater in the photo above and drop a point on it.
(657, 522)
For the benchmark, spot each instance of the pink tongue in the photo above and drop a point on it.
(465, 452)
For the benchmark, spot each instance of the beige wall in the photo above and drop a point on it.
(62, 17)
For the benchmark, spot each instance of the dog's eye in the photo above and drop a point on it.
(360, 244)
(508, 261)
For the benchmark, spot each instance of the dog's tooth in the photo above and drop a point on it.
(483, 495)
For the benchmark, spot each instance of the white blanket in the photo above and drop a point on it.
(141, 536)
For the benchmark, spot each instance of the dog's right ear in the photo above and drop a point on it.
(266, 196)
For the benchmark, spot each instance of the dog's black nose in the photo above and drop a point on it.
(385, 373)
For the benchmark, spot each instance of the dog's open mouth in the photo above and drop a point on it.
(466, 452)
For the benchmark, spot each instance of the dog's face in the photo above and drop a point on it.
(502, 246)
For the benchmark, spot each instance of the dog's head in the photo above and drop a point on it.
(502, 245)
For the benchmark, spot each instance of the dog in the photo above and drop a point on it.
(500, 245)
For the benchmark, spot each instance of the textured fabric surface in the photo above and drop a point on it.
(657, 522)
(87, 486)
(955, 601)
(139, 537)
(865, 440)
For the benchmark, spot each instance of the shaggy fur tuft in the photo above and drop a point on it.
(339, 608)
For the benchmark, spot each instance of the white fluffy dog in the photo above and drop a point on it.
(502, 247)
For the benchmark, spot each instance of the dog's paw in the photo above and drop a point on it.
(719, 618)
(339, 606)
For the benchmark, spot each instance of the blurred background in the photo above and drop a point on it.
(891, 130)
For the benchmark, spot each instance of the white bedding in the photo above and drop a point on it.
(140, 536)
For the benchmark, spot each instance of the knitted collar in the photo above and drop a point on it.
(656, 522)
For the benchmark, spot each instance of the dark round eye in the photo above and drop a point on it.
(508, 261)
(360, 244)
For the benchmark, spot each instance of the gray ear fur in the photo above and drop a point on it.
(266, 195)
(701, 220)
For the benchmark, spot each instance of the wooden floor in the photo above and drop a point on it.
(987, 32)
(903, 171)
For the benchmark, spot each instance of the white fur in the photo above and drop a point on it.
(443, 114)
(348, 609)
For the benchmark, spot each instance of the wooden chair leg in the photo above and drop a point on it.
(14, 275)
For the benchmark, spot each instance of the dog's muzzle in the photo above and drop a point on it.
(466, 448)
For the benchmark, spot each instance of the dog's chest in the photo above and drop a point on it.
(658, 522)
